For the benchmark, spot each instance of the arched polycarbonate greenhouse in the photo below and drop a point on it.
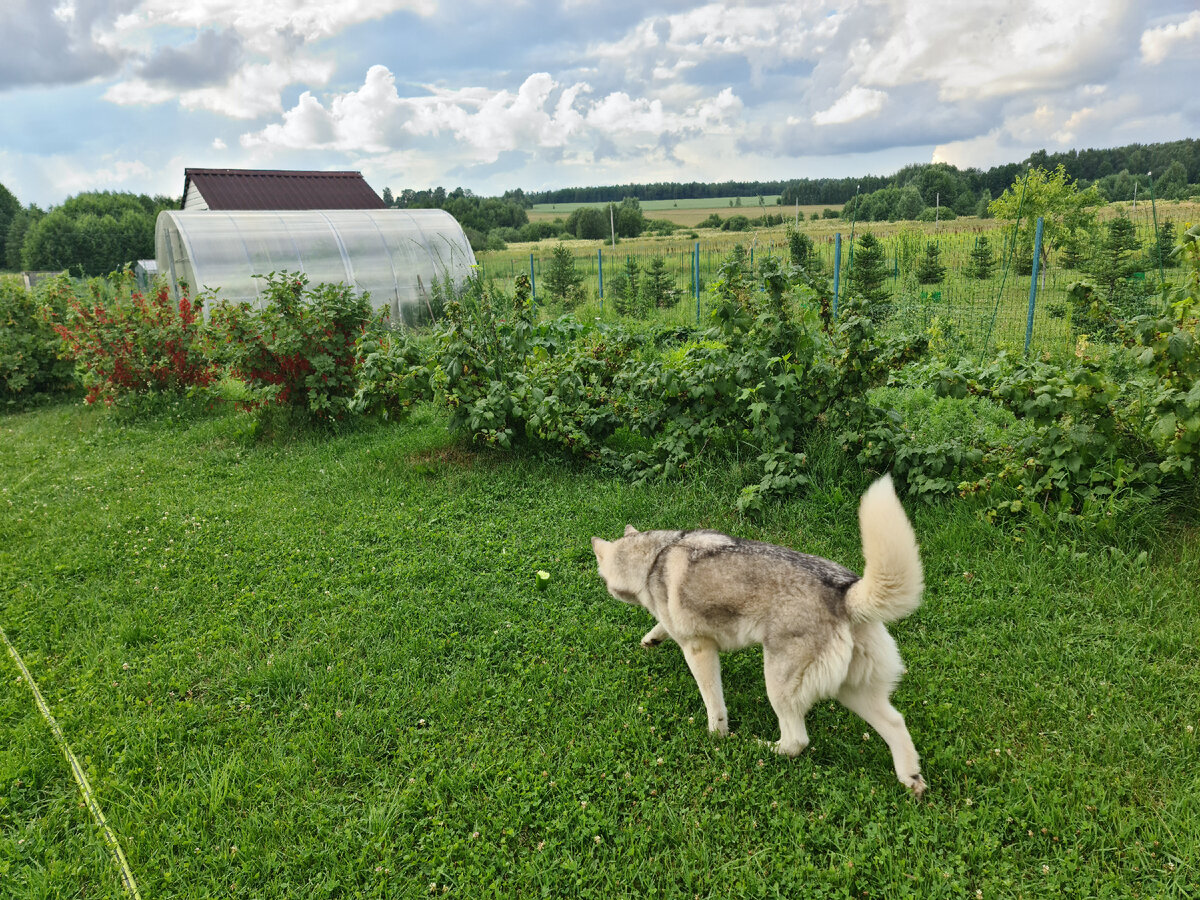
(397, 255)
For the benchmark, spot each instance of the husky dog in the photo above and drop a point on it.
(820, 625)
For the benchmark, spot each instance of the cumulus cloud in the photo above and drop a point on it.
(251, 92)
(994, 47)
(857, 103)
(208, 59)
(540, 115)
(309, 19)
(47, 43)
(240, 56)
(1161, 42)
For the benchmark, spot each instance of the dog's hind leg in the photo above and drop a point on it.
(793, 734)
(798, 673)
(705, 663)
(870, 701)
(655, 636)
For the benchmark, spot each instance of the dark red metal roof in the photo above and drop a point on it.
(279, 189)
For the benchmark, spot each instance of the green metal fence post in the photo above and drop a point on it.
(1037, 252)
(1162, 279)
(837, 269)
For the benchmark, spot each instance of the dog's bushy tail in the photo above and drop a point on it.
(892, 580)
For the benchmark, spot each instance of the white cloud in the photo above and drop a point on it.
(670, 91)
(65, 12)
(766, 34)
(258, 20)
(1159, 43)
(541, 115)
(993, 48)
(275, 35)
(253, 91)
(62, 174)
(857, 103)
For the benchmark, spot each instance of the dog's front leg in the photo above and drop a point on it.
(705, 663)
(655, 636)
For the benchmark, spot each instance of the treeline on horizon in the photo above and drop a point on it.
(1086, 166)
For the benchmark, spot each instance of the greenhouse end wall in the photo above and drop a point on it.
(397, 256)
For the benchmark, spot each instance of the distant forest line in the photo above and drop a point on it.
(1082, 165)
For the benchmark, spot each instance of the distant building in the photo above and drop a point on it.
(223, 189)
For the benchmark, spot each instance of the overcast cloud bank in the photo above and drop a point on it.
(122, 94)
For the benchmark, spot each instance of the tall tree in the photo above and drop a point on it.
(909, 204)
(1068, 212)
(94, 233)
(14, 242)
(9, 207)
(1172, 184)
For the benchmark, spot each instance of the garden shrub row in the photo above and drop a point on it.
(31, 358)
(1115, 424)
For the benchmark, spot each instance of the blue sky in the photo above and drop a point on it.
(124, 94)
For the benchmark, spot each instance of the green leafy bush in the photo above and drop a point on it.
(392, 372)
(30, 350)
(135, 346)
(764, 378)
(299, 349)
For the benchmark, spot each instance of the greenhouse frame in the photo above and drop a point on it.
(397, 256)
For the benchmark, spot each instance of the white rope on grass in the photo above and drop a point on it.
(81, 778)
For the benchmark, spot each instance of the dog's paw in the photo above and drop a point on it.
(648, 643)
(916, 784)
(720, 727)
(791, 748)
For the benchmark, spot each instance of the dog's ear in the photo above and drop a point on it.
(600, 547)
(629, 529)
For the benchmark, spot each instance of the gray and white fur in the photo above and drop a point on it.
(820, 625)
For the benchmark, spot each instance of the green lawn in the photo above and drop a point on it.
(323, 669)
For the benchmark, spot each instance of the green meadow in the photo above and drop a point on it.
(322, 668)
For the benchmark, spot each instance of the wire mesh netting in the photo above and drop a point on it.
(980, 299)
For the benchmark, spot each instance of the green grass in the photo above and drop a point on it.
(331, 655)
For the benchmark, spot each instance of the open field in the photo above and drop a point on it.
(687, 213)
(322, 669)
(696, 211)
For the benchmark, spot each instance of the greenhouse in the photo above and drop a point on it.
(398, 256)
